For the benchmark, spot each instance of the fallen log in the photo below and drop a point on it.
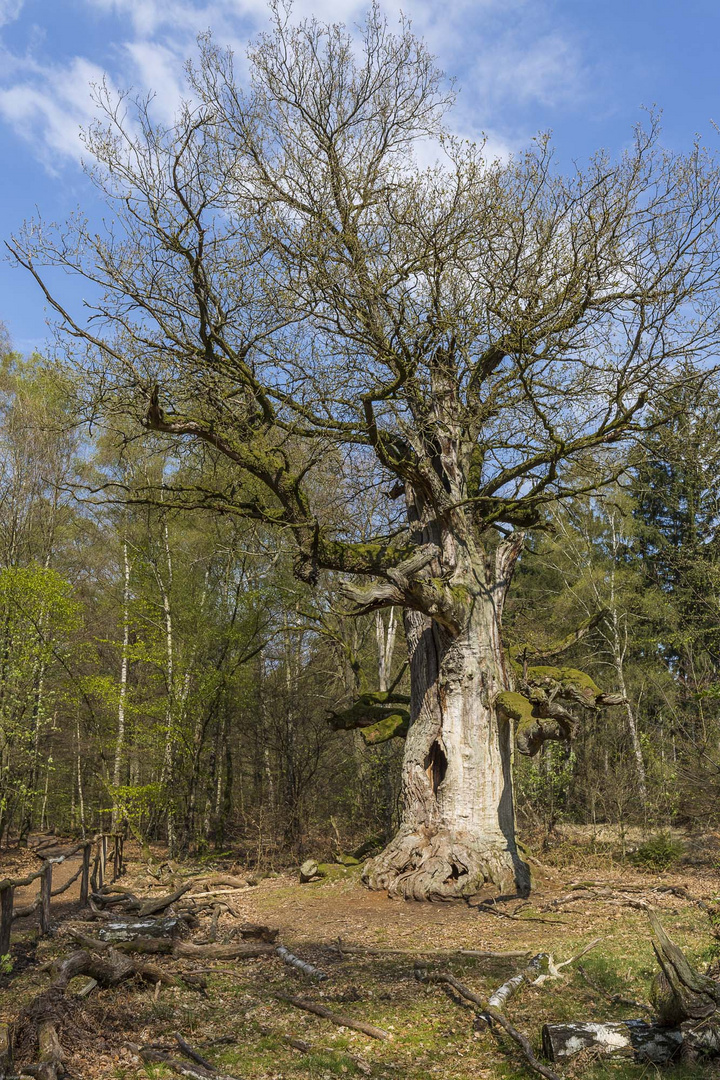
(141, 928)
(340, 947)
(50, 1053)
(178, 948)
(638, 1039)
(336, 1018)
(152, 907)
(242, 950)
(108, 969)
(483, 954)
(688, 1015)
(678, 991)
(257, 932)
(301, 965)
(502, 995)
(143, 945)
(220, 879)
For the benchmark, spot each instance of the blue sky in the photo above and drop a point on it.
(581, 68)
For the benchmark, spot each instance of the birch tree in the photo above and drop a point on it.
(282, 283)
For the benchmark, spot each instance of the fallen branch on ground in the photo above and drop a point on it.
(499, 998)
(490, 909)
(241, 950)
(488, 1010)
(336, 1018)
(301, 965)
(341, 948)
(687, 1006)
(192, 1054)
(193, 1072)
(180, 949)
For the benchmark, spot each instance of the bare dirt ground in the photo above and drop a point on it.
(241, 1026)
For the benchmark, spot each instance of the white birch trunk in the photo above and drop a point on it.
(385, 646)
(619, 646)
(168, 767)
(124, 664)
(78, 773)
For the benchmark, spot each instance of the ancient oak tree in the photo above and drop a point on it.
(285, 285)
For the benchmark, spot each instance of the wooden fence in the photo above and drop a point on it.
(93, 874)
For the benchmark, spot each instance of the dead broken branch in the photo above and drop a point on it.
(301, 965)
(335, 1018)
(495, 1014)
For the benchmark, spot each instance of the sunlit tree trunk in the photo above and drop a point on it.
(386, 646)
(619, 648)
(122, 697)
(78, 775)
(458, 825)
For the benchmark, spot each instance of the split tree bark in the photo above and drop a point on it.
(458, 825)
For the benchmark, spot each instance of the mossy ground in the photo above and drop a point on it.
(434, 1035)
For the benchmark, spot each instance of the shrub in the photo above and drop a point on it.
(658, 852)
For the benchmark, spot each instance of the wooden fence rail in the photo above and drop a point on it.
(93, 879)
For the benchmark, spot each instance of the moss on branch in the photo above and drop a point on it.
(395, 725)
(369, 710)
(565, 682)
(537, 708)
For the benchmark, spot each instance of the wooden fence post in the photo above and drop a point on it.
(45, 891)
(116, 857)
(6, 918)
(85, 879)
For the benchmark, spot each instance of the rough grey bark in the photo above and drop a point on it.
(458, 825)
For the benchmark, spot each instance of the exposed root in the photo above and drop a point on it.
(440, 865)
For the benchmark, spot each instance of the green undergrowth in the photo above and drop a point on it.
(658, 852)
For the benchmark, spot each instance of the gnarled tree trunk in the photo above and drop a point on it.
(458, 828)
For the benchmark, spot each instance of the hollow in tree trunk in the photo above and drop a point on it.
(458, 828)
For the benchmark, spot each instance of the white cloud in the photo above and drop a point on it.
(50, 105)
(504, 59)
(155, 67)
(546, 70)
(10, 10)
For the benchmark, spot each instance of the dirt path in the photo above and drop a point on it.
(19, 863)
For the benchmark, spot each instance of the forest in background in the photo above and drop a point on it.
(165, 669)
